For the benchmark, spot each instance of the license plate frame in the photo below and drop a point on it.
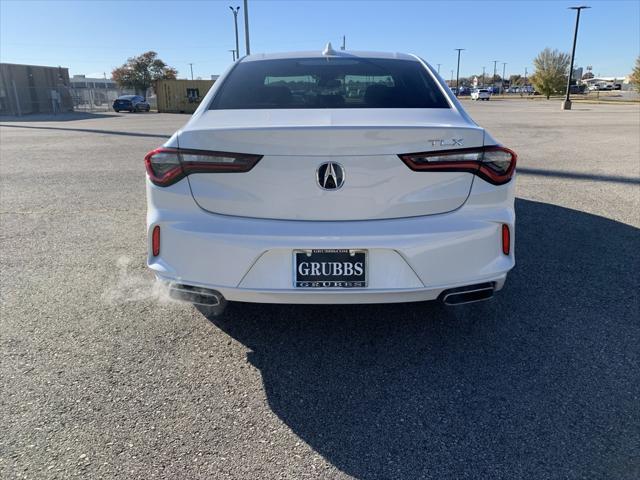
(340, 255)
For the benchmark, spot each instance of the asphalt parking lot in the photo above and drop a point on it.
(102, 377)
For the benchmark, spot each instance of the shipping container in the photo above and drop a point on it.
(180, 96)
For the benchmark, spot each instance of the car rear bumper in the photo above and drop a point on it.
(409, 259)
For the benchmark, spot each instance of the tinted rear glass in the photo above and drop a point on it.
(328, 83)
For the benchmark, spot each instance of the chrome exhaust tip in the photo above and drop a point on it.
(196, 295)
(469, 294)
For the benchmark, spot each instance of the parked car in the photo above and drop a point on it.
(481, 94)
(264, 196)
(131, 103)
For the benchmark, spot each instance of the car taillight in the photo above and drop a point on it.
(166, 166)
(494, 164)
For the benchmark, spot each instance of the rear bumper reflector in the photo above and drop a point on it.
(155, 241)
(506, 239)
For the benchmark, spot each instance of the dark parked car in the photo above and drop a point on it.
(131, 103)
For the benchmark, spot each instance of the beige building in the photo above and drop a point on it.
(180, 96)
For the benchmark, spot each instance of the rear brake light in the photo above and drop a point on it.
(166, 166)
(494, 164)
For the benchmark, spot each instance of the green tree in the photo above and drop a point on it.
(635, 75)
(516, 80)
(140, 72)
(552, 67)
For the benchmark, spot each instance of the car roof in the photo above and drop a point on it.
(318, 54)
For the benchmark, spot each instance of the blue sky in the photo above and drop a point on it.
(92, 37)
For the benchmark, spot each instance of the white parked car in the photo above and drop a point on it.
(281, 188)
(481, 94)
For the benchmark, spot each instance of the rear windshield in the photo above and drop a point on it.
(328, 83)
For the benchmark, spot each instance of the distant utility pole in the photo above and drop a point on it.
(493, 80)
(566, 105)
(438, 69)
(525, 76)
(191, 67)
(344, 42)
(233, 52)
(458, 72)
(483, 69)
(235, 22)
(504, 67)
(451, 84)
(246, 28)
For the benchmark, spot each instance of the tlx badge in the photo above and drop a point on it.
(454, 142)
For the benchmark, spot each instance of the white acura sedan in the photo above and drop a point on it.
(331, 177)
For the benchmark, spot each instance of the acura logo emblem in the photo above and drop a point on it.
(330, 176)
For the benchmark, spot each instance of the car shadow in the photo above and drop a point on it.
(540, 382)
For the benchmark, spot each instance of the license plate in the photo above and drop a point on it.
(330, 268)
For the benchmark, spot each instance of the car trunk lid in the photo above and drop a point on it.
(365, 144)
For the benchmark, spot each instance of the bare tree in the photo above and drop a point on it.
(140, 72)
(551, 71)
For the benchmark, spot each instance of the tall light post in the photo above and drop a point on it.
(566, 105)
(438, 69)
(233, 54)
(246, 28)
(191, 67)
(493, 80)
(504, 67)
(483, 69)
(235, 22)
(451, 84)
(458, 71)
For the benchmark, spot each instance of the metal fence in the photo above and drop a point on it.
(100, 99)
(20, 101)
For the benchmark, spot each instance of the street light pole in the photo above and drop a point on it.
(483, 68)
(191, 67)
(451, 84)
(566, 105)
(493, 80)
(235, 21)
(233, 54)
(246, 28)
(504, 66)
(438, 69)
(458, 72)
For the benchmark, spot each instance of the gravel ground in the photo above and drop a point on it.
(102, 377)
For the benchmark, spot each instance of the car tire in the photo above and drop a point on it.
(117, 111)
